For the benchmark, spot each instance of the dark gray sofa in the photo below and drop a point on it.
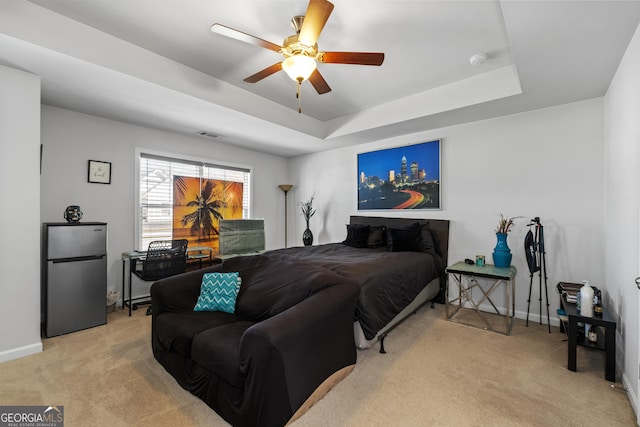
(292, 329)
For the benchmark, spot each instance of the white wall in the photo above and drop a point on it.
(20, 214)
(622, 184)
(70, 139)
(546, 163)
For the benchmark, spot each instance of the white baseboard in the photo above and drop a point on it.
(16, 353)
(633, 398)
(533, 318)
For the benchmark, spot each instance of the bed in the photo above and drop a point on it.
(397, 271)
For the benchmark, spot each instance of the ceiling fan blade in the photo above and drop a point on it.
(357, 58)
(244, 37)
(316, 16)
(264, 73)
(318, 82)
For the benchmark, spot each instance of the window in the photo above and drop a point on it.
(156, 192)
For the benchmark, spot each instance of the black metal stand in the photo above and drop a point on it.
(537, 261)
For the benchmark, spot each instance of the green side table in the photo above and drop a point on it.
(462, 275)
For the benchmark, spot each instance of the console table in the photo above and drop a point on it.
(606, 343)
(462, 275)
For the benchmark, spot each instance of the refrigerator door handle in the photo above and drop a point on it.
(76, 259)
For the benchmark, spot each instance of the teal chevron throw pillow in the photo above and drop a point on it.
(218, 292)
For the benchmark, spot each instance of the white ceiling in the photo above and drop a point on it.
(156, 63)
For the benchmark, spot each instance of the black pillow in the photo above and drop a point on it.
(427, 240)
(406, 238)
(357, 235)
(377, 236)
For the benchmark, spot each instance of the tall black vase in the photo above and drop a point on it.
(307, 236)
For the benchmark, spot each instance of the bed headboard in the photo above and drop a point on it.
(439, 227)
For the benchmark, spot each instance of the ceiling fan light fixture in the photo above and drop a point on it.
(299, 67)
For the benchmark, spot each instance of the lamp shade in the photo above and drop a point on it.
(299, 67)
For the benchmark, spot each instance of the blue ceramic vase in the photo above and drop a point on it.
(502, 253)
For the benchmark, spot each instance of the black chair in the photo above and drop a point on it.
(164, 258)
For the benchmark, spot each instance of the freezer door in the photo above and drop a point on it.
(76, 240)
(76, 295)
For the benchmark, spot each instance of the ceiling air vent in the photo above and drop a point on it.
(207, 134)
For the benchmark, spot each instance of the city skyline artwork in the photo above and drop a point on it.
(406, 177)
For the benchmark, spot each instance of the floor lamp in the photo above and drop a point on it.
(285, 188)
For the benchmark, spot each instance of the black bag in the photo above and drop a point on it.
(530, 251)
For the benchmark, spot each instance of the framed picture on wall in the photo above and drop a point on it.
(99, 172)
(406, 177)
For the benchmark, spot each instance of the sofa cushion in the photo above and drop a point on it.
(218, 292)
(175, 331)
(218, 350)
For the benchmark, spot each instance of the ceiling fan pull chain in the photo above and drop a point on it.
(298, 96)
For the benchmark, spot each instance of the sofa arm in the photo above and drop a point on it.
(286, 357)
(178, 293)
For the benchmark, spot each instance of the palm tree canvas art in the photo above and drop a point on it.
(198, 206)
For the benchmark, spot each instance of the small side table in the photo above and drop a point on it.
(461, 273)
(131, 257)
(606, 343)
(200, 253)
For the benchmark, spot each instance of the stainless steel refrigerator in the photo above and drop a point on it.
(74, 277)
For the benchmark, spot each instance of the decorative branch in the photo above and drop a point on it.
(307, 208)
(505, 224)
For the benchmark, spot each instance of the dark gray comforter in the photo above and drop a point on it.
(389, 281)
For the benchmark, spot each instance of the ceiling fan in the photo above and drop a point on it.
(300, 50)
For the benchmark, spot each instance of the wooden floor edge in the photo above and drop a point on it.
(321, 391)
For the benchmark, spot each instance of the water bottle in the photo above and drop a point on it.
(586, 295)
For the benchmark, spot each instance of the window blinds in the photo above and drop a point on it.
(156, 191)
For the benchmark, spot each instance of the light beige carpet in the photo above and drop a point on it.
(436, 373)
